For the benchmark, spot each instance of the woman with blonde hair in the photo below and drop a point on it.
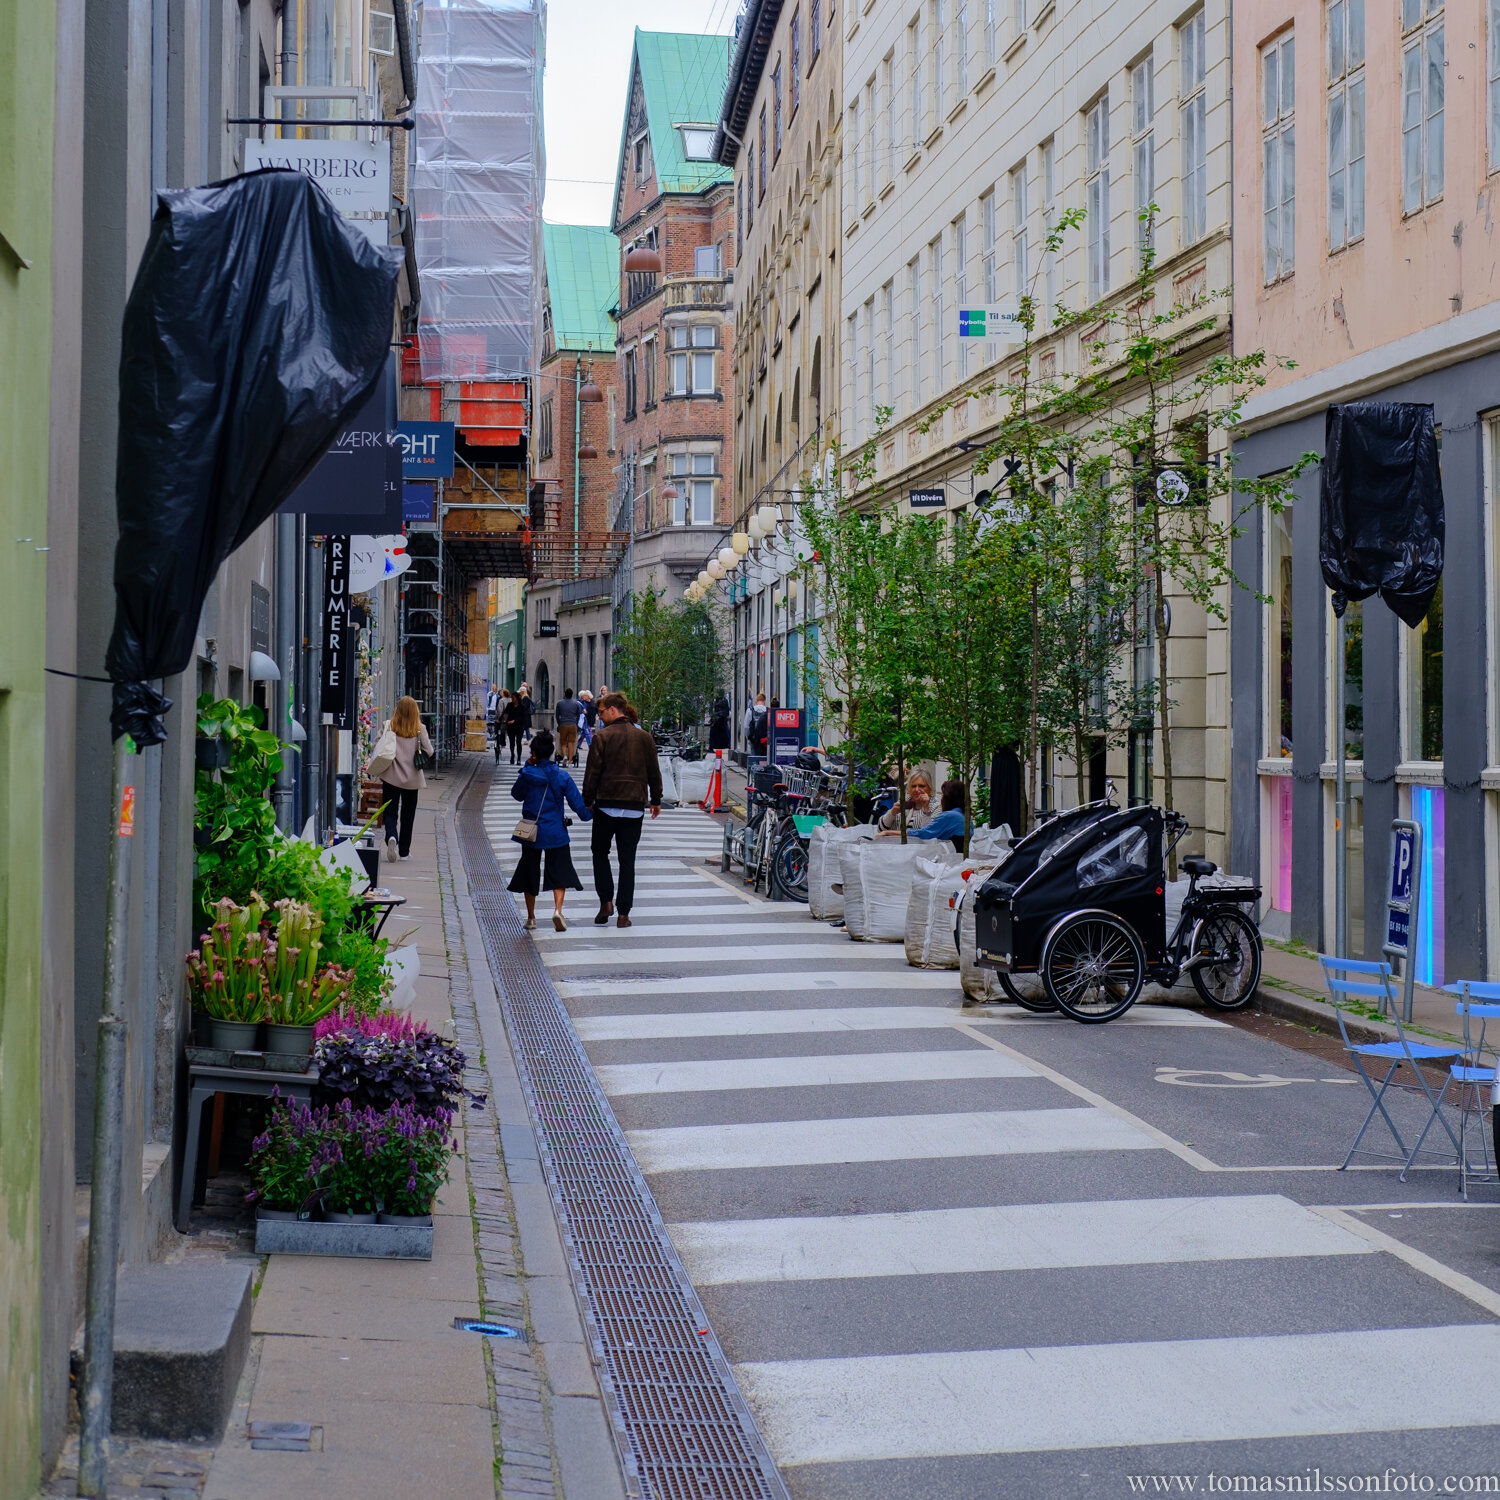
(401, 783)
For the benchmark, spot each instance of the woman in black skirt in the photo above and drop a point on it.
(543, 789)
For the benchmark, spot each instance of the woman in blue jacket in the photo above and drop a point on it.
(542, 788)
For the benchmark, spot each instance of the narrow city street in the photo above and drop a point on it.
(965, 1251)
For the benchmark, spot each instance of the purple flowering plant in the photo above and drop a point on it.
(354, 1160)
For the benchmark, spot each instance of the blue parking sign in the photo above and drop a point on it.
(1398, 904)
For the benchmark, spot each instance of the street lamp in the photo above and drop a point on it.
(729, 559)
(740, 541)
(715, 568)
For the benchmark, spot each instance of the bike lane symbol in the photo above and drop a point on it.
(1215, 1078)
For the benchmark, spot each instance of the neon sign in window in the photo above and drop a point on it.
(1428, 810)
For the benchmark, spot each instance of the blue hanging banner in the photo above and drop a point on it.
(426, 449)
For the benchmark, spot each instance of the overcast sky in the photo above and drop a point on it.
(588, 65)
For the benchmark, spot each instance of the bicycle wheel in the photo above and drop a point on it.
(1093, 966)
(1026, 990)
(789, 868)
(1230, 979)
(726, 858)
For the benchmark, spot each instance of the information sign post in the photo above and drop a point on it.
(1402, 904)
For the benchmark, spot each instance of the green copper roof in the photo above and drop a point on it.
(583, 283)
(683, 78)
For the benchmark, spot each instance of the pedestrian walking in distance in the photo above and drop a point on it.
(623, 779)
(517, 716)
(757, 721)
(527, 708)
(544, 789)
(590, 717)
(569, 714)
(401, 783)
(499, 708)
(718, 724)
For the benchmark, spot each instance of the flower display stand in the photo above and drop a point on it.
(366, 1241)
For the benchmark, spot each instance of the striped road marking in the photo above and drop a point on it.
(710, 929)
(1025, 1237)
(806, 1143)
(729, 953)
(1124, 1395)
(808, 1072)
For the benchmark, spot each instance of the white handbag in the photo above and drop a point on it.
(383, 757)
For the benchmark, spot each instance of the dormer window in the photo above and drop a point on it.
(697, 142)
(640, 157)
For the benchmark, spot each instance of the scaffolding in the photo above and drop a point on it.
(477, 185)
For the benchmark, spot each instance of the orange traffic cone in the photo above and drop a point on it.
(715, 796)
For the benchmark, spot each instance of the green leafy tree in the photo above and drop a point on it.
(668, 658)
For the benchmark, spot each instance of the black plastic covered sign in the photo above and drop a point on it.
(1381, 519)
(258, 321)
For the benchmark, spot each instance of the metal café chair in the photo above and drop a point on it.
(1403, 1050)
(1477, 1001)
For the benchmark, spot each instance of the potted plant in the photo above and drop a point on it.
(281, 1160)
(346, 1166)
(411, 1164)
(300, 989)
(422, 1069)
(227, 975)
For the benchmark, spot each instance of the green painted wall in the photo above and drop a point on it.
(27, 71)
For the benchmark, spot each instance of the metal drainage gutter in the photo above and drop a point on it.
(685, 1431)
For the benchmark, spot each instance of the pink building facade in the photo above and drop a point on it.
(1366, 162)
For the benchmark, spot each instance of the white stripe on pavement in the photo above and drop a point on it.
(751, 953)
(639, 1026)
(806, 1143)
(720, 929)
(1024, 1237)
(1124, 1395)
(808, 1072)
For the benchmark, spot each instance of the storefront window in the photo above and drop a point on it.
(1354, 681)
(1279, 633)
(1356, 816)
(1280, 811)
(1424, 684)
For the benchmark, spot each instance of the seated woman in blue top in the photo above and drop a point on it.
(949, 823)
(542, 787)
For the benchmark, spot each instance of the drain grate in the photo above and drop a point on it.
(685, 1430)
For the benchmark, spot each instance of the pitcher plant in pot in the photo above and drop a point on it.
(227, 974)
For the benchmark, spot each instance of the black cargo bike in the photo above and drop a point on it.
(1075, 919)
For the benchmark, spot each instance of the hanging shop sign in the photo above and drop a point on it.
(356, 176)
(337, 699)
(426, 449)
(373, 559)
(356, 485)
(546, 628)
(927, 499)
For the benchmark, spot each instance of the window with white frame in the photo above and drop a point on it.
(648, 369)
(852, 335)
(856, 156)
(776, 107)
(870, 152)
(888, 342)
(1422, 59)
(987, 247)
(1020, 231)
(794, 51)
(938, 12)
(691, 360)
(961, 281)
(991, 26)
(868, 372)
(693, 479)
(961, 48)
(1192, 93)
(1022, 15)
(1346, 122)
(1096, 197)
(1492, 73)
(1143, 154)
(914, 80)
(544, 437)
(1278, 156)
(914, 322)
(892, 122)
(935, 282)
(1050, 212)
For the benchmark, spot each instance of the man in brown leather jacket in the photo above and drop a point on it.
(622, 779)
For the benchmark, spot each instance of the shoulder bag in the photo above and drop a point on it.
(526, 829)
(383, 757)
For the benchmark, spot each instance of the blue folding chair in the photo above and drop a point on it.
(1402, 1050)
(1477, 1001)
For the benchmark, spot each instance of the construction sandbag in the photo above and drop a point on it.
(692, 779)
(929, 917)
(977, 983)
(825, 890)
(877, 881)
(990, 845)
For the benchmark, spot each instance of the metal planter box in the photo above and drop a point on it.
(365, 1241)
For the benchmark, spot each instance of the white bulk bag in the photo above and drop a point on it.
(825, 892)
(692, 779)
(988, 846)
(929, 918)
(877, 882)
(668, 764)
(977, 983)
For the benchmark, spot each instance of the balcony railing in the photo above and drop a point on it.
(696, 291)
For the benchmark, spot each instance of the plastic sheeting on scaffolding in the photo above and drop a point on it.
(478, 186)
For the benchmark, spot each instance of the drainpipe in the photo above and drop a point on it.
(577, 444)
(289, 29)
(286, 659)
(403, 49)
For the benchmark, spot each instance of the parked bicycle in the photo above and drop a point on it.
(1081, 905)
